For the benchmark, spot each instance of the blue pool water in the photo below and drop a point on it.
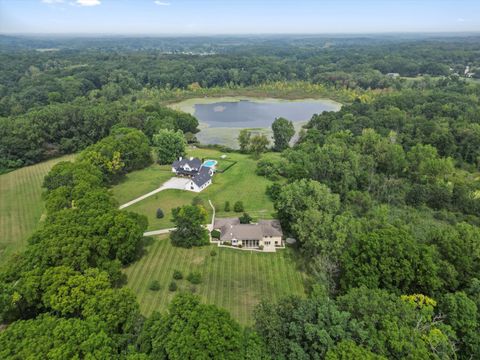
(210, 163)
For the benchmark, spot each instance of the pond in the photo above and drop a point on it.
(221, 119)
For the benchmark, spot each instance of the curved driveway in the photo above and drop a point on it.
(173, 183)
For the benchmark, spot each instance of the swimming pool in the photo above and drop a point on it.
(210, 163)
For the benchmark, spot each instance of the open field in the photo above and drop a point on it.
(141, 182)
(232, 279)
(238, 183)
(21, 204)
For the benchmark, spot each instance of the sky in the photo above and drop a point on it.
(185, 17)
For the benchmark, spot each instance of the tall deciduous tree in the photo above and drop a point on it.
(49, 337)
(170, 145)
(191, 330)
(283, 132)
(462, 315)
(244, 140)
(391, 259)
(258, 145)
(190, 231)
(302, 195)
(302, 329)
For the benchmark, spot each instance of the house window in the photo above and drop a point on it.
(267, 242)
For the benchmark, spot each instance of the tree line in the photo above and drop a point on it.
(31, 78)
(58, 129)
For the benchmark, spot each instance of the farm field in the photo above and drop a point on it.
(238, 183)
(235, 280)
(21, 204)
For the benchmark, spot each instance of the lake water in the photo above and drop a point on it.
(259, 114)
(221, 119)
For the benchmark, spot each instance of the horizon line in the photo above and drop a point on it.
(237, 34)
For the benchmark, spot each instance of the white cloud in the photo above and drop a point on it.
(162, 3)
(52, 1)
(461, 20)
(88, 2)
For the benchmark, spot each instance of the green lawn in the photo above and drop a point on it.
(237, 183)
(21, 204)
(235, 280)
(140, 182)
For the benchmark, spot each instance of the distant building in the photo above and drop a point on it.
(200, 176)
(393, 75)
(266, 234)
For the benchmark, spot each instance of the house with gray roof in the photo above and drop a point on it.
(200, 176)
(201, 180)
(266, 234)
(186, 167)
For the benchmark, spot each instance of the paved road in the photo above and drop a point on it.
(173, 183)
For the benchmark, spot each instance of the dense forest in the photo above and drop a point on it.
(383, 197)
(71, 80)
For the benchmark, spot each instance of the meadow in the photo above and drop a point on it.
(137, 183)
(21, 205)
(235, 280)
(238, 183)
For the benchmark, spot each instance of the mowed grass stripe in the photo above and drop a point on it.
(215, 299)
(210, 277)
(23, 220)
(155, 272)
(144, 276)
(206, 271)
(295, 280)
(274, 264)
(233, 279)
(164, 276)
(247, 284)
(21, 204)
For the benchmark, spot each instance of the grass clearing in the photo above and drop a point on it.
(235, 280)
(21, 204)
(238, 183)
(141, 182)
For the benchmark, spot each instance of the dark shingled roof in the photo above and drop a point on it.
(203, 176)
(194, 163)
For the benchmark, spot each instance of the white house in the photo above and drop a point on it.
(201, 180)
(186, 167)
(200, 176)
